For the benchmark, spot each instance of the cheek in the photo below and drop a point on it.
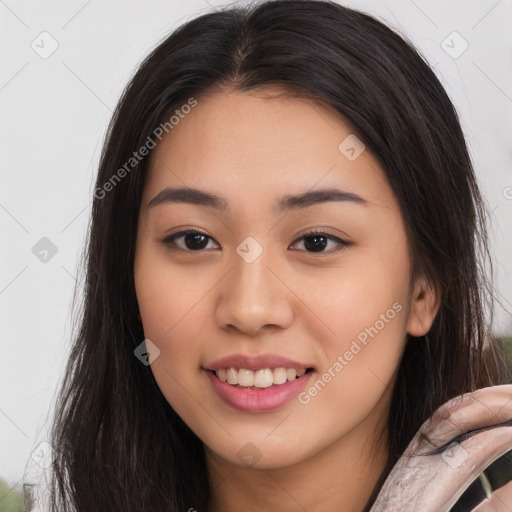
(364, 309)
(364, 305)
(165, 292)
(173, 309)
(359, 360)
(367, 336)
(173, 315)
(365, 293)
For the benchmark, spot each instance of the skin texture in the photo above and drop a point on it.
(199, 306)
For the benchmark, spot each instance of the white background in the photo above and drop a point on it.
(54, 113)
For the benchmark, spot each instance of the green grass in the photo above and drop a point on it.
(13, 500)
(508, 349)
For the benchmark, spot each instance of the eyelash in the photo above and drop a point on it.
(171, 244)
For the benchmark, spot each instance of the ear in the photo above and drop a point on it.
(426, 300)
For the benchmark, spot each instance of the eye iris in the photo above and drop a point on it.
(319, 242)
(196, 239)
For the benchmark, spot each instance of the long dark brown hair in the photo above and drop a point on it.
(120, 446)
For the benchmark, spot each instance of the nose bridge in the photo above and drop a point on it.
(252, 275)
(252, 295)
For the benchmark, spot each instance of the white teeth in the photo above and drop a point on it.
(263, 378)
(245, 377)
(232, 376)
(279, 375)
(291, 374)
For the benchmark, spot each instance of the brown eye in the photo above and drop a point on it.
(193, 241)
(317, 241)
(313, 242)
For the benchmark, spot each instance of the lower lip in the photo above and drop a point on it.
(258, 400)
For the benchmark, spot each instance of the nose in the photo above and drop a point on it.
(254, 296)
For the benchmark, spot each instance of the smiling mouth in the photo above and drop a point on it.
(259, 379)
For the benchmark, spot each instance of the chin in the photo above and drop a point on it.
(257, 454)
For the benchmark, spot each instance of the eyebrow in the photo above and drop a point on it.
(284, 204)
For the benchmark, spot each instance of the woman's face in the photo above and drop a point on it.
(253, 295)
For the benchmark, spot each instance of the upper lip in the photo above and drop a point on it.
(256, 362)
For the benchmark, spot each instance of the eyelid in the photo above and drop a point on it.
(185, 230)
(342, 243)
(323, 231)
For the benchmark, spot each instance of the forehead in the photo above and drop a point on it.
(264, 143)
